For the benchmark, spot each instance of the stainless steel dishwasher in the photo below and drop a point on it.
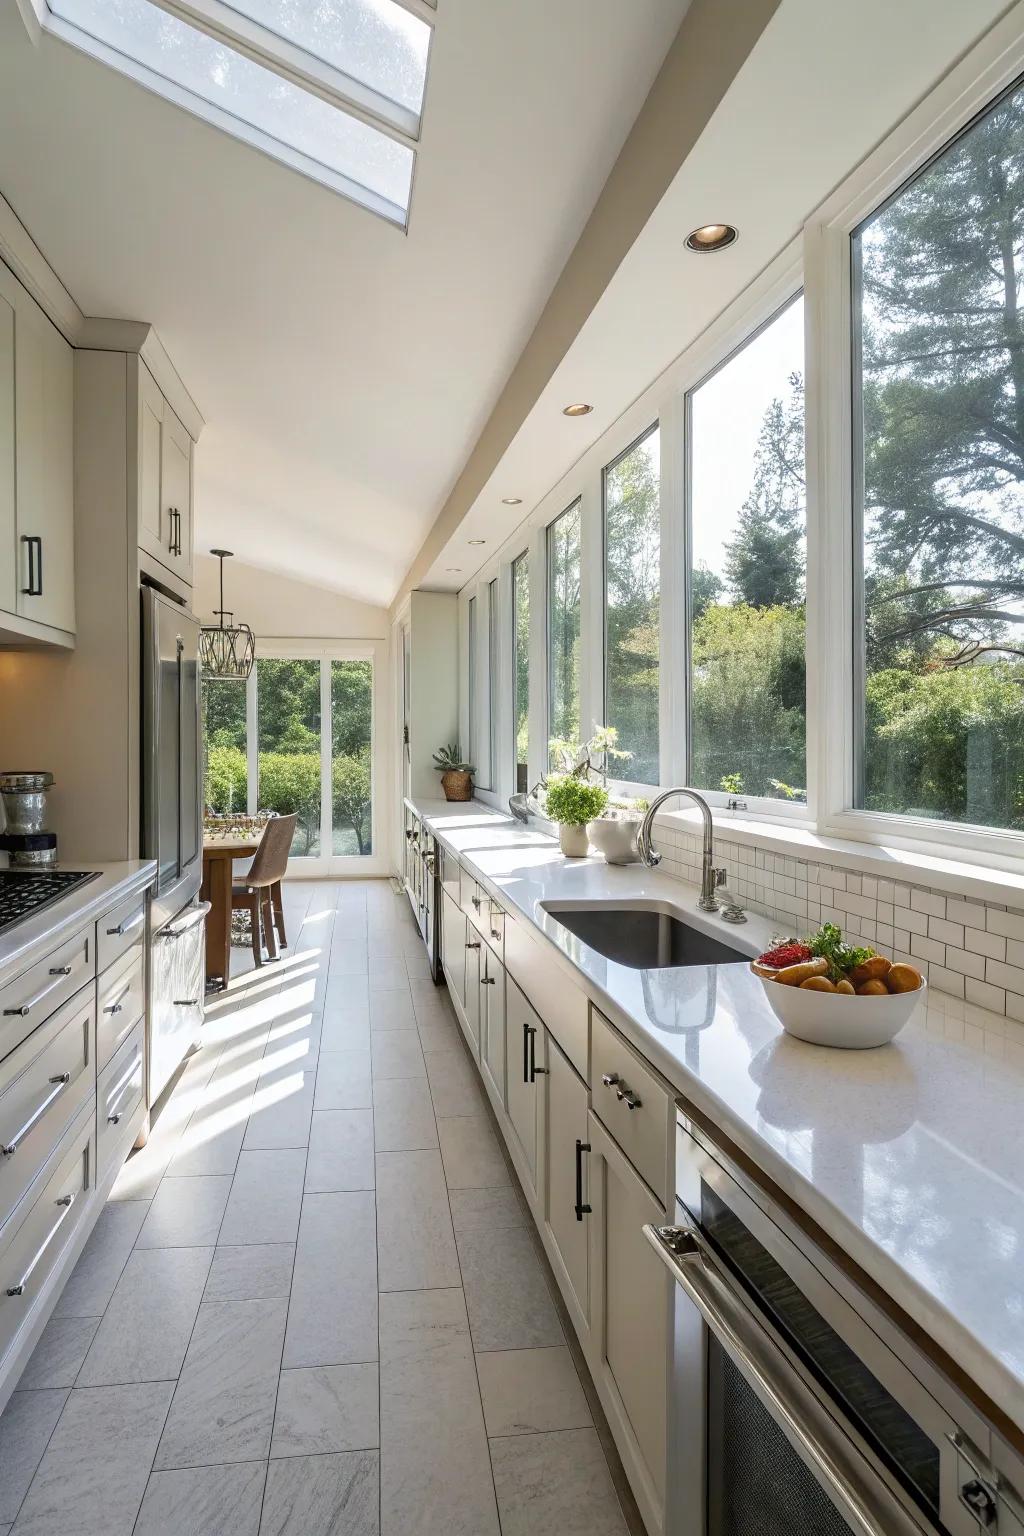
(798, 1407)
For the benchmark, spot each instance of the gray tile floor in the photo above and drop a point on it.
(312, 1304)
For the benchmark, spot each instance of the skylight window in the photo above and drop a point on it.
(307, 83)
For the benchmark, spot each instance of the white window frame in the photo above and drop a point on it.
(995, 63)
(574, 506)
(327, 865)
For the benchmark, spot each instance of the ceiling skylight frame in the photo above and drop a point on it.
(304, 71)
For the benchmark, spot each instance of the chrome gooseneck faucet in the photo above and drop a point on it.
(709, 874)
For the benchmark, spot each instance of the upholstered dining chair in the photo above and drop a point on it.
(259, 891)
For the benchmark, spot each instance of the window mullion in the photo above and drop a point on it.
(326, 761)
(674, 669)
(252, 753)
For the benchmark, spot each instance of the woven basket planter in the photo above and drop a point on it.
(457, 784)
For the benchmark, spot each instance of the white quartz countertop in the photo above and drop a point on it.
(910, 1156)
(32, 938)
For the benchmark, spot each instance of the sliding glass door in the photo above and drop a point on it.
(299, 738)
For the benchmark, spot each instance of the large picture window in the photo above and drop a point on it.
(521, 669)
(564, 626)
(470, 746)
(747, 536)
(939, 482)
(492, 681)
(632, 527)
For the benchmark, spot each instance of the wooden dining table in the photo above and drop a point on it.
(219, 855)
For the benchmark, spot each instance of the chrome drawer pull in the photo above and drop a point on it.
(186, 1002)
(633, 1100)
(60, 1083)
(610, 1079)
(26, 1008)
(127, 927)
(117, 1006)
(67, 1201)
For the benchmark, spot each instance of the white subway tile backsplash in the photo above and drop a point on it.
(914, 922)
(886, 890)
(869, 887)
(970, 913)
(853, 884)
(1009, 976)
(1015, 951)
(1009, 924)
(901, 938)
(946, 981)
(985, 995)
(860, 906)
(967, 964)
(928, 901)
(885, 910)
(993, 945)
(927, 949)
(949, 933)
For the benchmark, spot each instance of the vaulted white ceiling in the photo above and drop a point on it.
(344, 369)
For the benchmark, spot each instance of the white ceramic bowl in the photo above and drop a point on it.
(851, 1023)
(615, 838)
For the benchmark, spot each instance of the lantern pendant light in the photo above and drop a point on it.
(226, 651)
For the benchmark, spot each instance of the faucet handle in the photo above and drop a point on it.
(732, 906)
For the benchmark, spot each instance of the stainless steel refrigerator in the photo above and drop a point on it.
(172, 831)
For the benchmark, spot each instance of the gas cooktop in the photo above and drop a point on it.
(25, 891)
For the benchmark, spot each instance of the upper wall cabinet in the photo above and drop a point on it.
(37, 556)
(164, 480)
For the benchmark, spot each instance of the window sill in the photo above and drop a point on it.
(912, 866)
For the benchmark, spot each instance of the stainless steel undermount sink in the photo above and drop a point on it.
(644, 938)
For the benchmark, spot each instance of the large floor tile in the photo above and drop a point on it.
(435, 1471)
(340, 1151)
(223, 1408)
(57, 1357)
(323, 1496)
(455, 1085)
(250, 1272)
(346, 1030)
(26, 1425)
(472, 1156)
(391, 1010)
(326, 1408)
(186, 1213)
(94, 1471)
(204, 1501)
(403, 1115)
(145, 1330)
(343, 1080)
(506, 1291)
(265, 1198)
(102, 1259)
(332, 1318)
(486, 1210)
(388, 975)
(281, 1108)
(526, 1391)
(555, 1485)
(439, 1034)
(415, 1242)
(396, 1053)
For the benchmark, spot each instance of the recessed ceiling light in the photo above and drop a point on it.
(511, 501)
(453, 570)
(577, 410)
(712, 237)
(478, 541)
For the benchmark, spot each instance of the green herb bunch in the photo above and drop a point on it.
(572, 802)
(828, 944)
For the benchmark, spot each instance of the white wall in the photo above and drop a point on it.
(280, 606)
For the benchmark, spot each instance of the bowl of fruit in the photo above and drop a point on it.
(828, 992)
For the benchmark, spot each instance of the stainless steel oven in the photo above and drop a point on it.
(797, 1405)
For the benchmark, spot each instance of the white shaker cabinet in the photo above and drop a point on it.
(492, 1026)
(523, 1075)
(567, 1177)
(37, 532)
(164, 480)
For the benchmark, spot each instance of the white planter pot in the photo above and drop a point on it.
(616, 839)
(573, 841)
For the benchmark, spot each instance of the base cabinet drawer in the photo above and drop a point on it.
(632, 1103)
(523, 1039)
(120, 1095)
(123, 928)
(120, 1004)
(40, 991)
(30, 1251)
(566, 1201)
(43, 1085)
(453, 946)
(563, 1006)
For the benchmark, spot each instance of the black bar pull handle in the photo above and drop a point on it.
(526, 1053)
(581, 1209)
(35, 565)
(535, 1071)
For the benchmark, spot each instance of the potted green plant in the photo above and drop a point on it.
(456, 776)
(572, 803)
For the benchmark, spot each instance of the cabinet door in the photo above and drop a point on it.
(630, 1312)
(10, 566)
(523, 1040)
(471, 1003)
(44, 396)
(492, 1025)
(176, 492)
(154, 533)
(566, 1202)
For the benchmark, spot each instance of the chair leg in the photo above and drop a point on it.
(278, 903)
(268, 922)
(254, 918)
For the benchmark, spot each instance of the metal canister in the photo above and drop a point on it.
(24, 799)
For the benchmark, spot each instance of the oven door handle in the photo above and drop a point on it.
(862, 1497)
